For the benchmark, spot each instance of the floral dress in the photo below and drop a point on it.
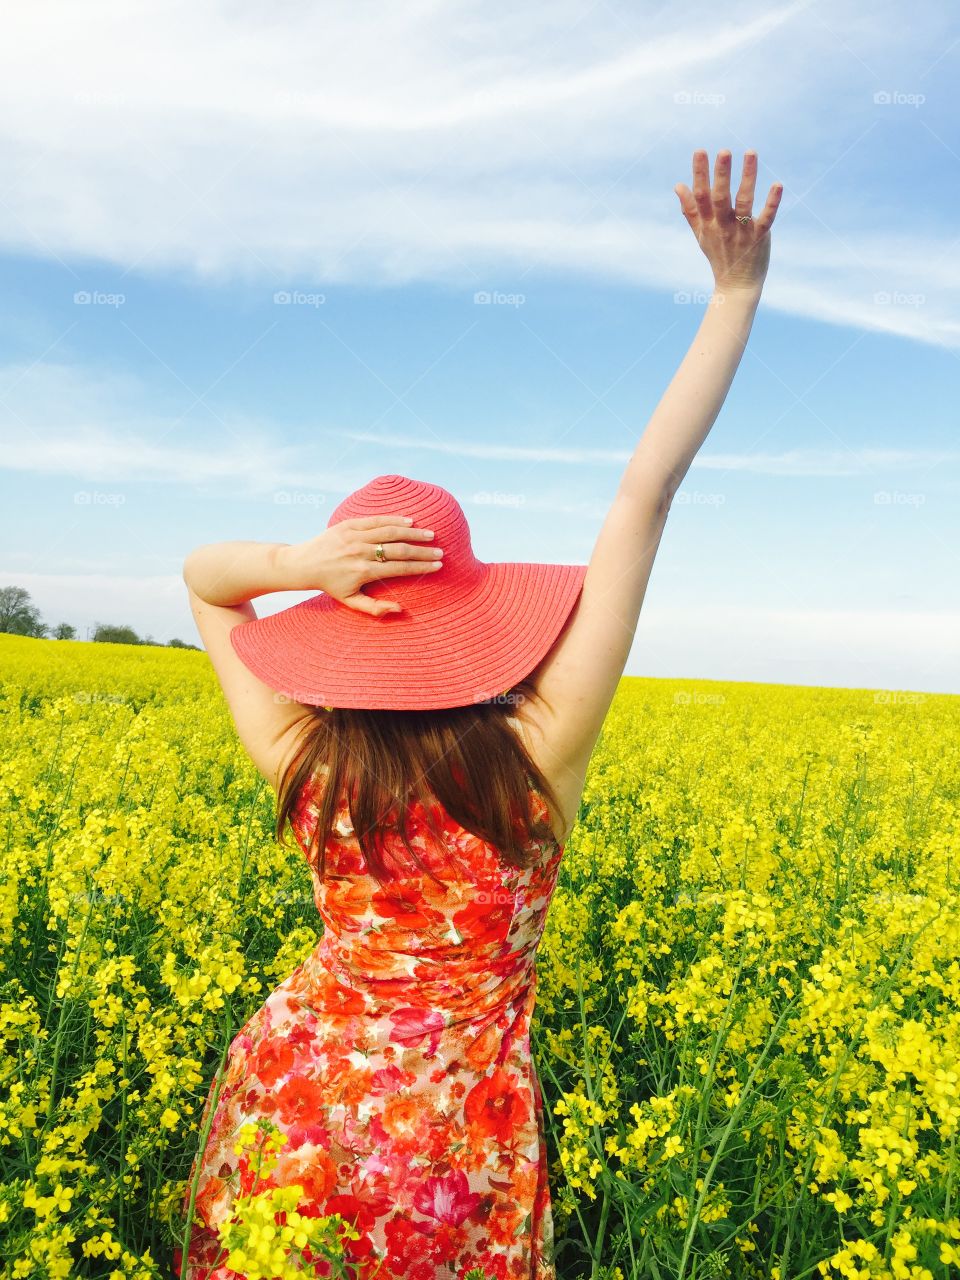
(396, 1060)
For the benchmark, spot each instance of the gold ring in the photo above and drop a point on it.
(379, 552)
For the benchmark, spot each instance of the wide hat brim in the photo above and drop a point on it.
(448, 652)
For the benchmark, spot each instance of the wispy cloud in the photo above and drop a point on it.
(470, 144)
(100, 427)
(791, 462)
(263, 465)
(829, 462)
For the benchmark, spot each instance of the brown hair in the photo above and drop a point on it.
(468, 759)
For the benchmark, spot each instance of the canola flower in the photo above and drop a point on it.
(266, 1238)
(748, 1022)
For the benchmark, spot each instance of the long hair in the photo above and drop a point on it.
(468, 759)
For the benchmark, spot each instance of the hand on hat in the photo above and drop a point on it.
(343, 558)
(736, 244)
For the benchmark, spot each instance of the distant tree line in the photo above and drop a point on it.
(19, 616)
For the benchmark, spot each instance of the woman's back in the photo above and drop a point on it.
(460, 944)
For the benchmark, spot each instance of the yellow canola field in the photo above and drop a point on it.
(748, 1026)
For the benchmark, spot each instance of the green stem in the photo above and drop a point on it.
(598, 1136)
(204, 1135)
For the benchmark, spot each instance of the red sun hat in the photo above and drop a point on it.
(466, 633)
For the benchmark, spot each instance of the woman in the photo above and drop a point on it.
(426, 722)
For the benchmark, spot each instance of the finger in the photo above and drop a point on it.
(748, 182)
(688, 206)
(366, 604)
(399, 568)
(723, 211)
(371, 522)
(393, 551)
(765, 221)
(701, 186)
(394, 533)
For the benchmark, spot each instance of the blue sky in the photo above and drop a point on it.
(179, 167)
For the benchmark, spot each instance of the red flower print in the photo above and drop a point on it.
(272, 1060)
(402, 1118)
(335, 998)
(487, 917)
(390, 1079)
(310, 1166)
(494, 1266)
(404, 1245)
(410, 1026)
(482, 1050)
(447, 1198)
(352, 1209)
(300, 1100)
(494, 1108)
(346, 901)
(359, 1215)
(403, 903)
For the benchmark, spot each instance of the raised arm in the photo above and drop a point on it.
(579, 676)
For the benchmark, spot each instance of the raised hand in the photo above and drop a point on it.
(736, 244)
(343, 558)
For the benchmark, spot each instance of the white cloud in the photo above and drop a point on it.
(466, 143)
(865, 649)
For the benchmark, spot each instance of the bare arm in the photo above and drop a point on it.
(690, 405)
(223, 578)
(578, 678)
